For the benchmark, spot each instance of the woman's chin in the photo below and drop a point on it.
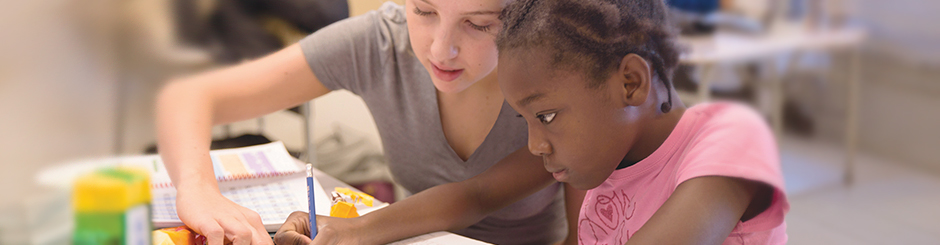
(455, 86)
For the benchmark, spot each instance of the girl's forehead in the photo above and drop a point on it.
(533, 60)
(525, 71)
(468, 5)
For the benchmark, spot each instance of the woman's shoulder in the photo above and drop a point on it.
(392, 12)
(336, 53)
(388, 22)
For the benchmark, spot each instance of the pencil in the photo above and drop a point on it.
(312, 207)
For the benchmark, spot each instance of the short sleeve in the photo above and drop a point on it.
(358, 53)
(734, 141)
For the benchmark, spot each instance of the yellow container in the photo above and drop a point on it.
(344, 210)
(112, 206)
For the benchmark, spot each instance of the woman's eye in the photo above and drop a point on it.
(422, 13)
(546, 118)
(485, 28)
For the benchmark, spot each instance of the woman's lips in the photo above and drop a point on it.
(446, 74)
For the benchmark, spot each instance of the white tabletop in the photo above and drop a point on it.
(733, 47)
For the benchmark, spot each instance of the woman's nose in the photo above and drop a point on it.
(443, 47)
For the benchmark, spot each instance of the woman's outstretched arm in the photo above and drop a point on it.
(187, 109)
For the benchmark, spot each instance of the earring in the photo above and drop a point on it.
(666, 106)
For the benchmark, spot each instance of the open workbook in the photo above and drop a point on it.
(263, 178)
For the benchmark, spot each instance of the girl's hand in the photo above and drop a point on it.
(330, 230)
(220, 219)
(295, 230)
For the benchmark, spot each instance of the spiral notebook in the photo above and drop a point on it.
(253, 162)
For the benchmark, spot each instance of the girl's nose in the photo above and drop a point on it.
(538, 145)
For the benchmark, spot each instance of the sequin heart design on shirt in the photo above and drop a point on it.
(608, 212)
(607, 208)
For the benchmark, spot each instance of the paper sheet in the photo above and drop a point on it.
(439, 238)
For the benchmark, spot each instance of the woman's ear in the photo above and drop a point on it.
(633, 75)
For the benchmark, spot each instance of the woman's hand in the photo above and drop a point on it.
(330, 230)
(220, 219)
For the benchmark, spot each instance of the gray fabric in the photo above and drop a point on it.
(351, 157)
(370, 56)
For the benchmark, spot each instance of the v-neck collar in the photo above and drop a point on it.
(443, 138)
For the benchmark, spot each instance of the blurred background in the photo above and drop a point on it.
(852, 88)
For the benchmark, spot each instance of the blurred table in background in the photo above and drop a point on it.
(709, 51)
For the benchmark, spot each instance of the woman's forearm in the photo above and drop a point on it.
(184, 132)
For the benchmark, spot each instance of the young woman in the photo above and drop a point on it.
(427, 73)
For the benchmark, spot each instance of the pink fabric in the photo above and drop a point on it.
(713, 139)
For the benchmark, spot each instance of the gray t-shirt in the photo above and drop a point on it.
(371, 56)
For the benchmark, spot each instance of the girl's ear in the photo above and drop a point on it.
(633, 75)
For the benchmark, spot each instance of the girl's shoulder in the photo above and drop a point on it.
(730, 139)
(727, 116)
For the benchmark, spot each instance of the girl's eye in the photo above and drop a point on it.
(485, 28)
(422, 13)
(546, 118)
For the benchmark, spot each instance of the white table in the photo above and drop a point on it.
(723, 48)
(441, 237)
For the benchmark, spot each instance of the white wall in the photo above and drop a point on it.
(906, 28)
(901, 96)
(56, 92)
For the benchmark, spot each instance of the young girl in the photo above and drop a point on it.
(427, 73)
(591, 78)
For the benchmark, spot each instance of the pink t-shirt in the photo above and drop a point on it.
(712, 139)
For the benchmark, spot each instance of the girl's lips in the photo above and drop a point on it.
(561, 176)
(446, 75)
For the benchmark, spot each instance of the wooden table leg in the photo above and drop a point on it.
(851, 118)
(777, 94)
(705, 82)
(310, 154)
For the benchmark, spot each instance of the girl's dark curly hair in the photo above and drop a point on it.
(592, 36)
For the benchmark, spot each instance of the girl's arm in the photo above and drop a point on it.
(186, 111)
(702, 210)
(449, 206)
(457, 205)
